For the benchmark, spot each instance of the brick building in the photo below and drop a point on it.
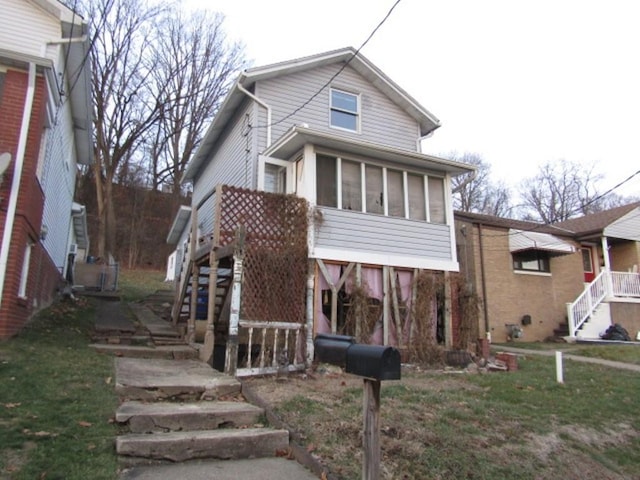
(45, 132)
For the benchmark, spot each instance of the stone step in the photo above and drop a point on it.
(177, 352)
(166, 417)
(220, 444)
(151, 379)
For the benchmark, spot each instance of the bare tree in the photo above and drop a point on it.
(561, 190)
(124, 110)
(475, 192)
(194, 69)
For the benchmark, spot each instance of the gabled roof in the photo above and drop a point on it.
(427, 121)
(596, 222)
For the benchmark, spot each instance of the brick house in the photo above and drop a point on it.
(553, 280)
(45, 132)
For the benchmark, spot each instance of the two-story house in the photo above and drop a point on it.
(343, 141)
(45, 132)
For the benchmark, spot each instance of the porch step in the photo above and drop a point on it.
(562, 330)
(219, 444)
(162, 417)
(152, 380)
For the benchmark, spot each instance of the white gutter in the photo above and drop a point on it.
(261, 103)
(17, 176)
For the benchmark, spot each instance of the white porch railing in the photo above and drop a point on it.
(606, 285)
(625, 284)
(272, 347)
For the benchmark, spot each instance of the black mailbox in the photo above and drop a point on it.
(374, 361)
(332, 348)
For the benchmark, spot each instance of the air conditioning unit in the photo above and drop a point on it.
(73, 248)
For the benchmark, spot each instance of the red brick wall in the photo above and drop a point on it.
(43, 276)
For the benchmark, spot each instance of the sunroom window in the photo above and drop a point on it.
(365, 187)
(344, 110)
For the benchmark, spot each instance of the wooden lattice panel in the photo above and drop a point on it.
(275, 261)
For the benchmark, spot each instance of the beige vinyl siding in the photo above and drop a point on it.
(382, 121)
(368, 233)
(26, 28)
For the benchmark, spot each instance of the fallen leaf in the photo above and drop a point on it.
(107, 380)
(323, 476)
(91, 446)
(311, 447)
(82, 423)
(42, 433)
(12, 405)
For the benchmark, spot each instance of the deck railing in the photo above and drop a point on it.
(606, 285)
(271, 347)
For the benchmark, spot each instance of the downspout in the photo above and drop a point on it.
(262, 104)
(484, 285)
(17, 176)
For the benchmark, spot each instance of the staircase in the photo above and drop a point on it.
(174, 408)
(179, 410)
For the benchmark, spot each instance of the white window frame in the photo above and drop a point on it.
(290, 186)
(357, 113)
(405, 181)
(24, 274)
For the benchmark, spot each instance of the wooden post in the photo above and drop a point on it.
(385, 305)
(231, 357)
(195, 280)
(371, 430)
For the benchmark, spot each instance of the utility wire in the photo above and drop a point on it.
(574, 211)
(328, 82)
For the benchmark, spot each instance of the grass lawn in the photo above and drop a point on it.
(436, 425)
(136, 284)
(618, 352)
(57, 400)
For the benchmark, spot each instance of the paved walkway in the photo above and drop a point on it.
(577, 358)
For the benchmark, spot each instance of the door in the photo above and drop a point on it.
(588, 263)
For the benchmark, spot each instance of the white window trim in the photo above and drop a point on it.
(405, 180)
(357, 113)
(290, 187)
(24, 275)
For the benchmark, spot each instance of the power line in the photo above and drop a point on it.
(328, 82)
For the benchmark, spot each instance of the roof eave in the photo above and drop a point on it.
(294, 140)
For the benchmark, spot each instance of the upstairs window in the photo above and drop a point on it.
(531, 261)
(345, 110)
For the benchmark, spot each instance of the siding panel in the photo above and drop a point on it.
(366, 233)
(26, 28)
(382, 121)
(233, 163)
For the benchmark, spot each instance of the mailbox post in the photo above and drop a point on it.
(374, 363)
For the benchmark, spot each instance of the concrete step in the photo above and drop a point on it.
(152, 380)
(177, 352)
(220, 444)
(166, 417)
(254, 469)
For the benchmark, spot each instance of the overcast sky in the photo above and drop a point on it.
(518, 82)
